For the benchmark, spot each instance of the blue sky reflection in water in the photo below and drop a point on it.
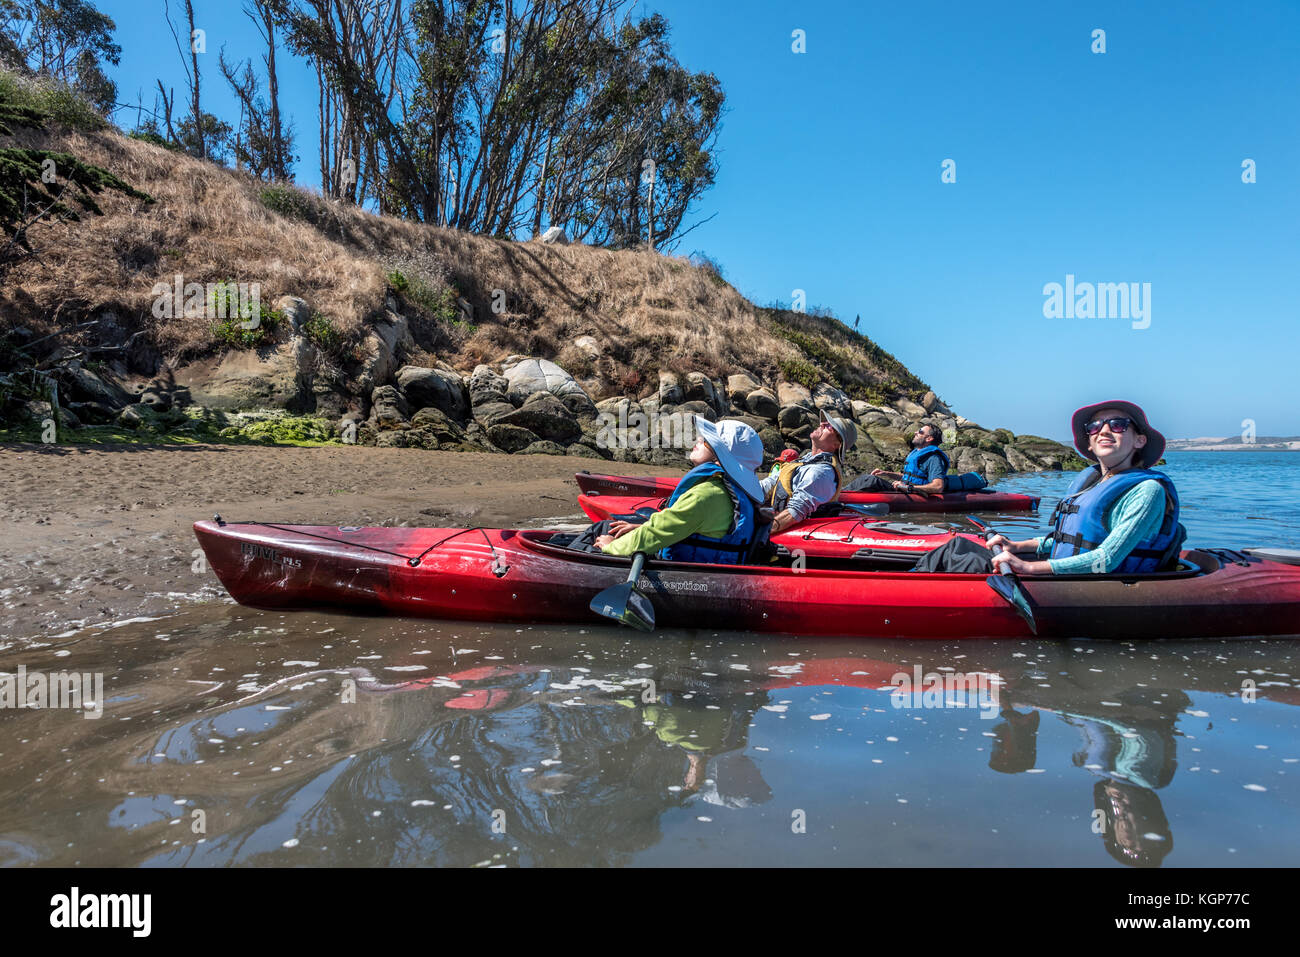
(490, 744)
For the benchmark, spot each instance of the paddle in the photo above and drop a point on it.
(624, 603)
(1007, 584)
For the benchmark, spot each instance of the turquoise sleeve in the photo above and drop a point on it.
(1135, 516)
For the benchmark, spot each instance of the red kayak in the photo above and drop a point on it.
(524, 576)
(840, 536)
(983, 500)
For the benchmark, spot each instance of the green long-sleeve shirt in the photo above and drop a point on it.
(705, 509)
(1135, 515)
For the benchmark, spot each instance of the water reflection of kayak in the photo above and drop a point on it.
(505, 575)
(981, 500)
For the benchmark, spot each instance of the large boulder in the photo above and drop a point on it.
(543, 447)
(697, 407)
(295, 310)
(892, 443)
(273, 376)
(77, 383)
(739, 386)
(830, 399)
(510, 438)
(437, 422)
(586, 451)
(525, 376)
(388, 409)
(93, 413)
(1019, 461)
(929, 401)
(762, 403)
(700, 388)
(670, 390)
(800, 436)
(486, 386)
(545, 416)
(772, 439)
(382, 348)
(437, 388)
(911, 409)
(796, 416)
(422, 439)
(555, 236)
(792, 393)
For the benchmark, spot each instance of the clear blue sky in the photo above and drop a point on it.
(1123, 166)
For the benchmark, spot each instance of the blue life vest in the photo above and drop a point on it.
(912, 468)
(735, 547)
(1079, 522)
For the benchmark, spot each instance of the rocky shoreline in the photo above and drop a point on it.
(389, 392)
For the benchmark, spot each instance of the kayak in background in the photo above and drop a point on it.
(846, 535)
(481, 574)
(979, 500)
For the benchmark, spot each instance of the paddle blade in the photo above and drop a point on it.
(1008, 589)
(624, 604)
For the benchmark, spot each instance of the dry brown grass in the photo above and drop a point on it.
(647, 310)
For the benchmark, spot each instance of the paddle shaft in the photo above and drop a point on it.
(1009, 588)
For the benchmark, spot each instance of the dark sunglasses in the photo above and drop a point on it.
(1119, 425)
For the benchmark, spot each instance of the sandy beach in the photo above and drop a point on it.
(97, 534)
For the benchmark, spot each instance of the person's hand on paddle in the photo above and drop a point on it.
(619, 529)
(1007, 558)
(998, 540)
(901, 486)
(1018, 565)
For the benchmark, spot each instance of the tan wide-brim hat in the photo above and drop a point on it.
(1151, 452)
(847, 431)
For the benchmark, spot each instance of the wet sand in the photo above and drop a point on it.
(104, 534)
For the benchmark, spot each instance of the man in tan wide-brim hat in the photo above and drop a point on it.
(798, 488)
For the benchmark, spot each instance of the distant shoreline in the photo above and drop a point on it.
(1237, 447)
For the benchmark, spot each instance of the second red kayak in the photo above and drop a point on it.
(983, 500)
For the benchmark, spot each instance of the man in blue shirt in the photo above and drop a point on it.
(923, 471)
(796, 490)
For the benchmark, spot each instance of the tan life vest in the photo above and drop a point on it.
(785, 479)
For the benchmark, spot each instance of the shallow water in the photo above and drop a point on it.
(231, 736)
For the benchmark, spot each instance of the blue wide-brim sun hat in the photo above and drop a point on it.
(739, 451)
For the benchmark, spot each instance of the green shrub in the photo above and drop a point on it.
(149, 136)
(241, 332)
(321, 331)
(289, 202)
(397, 281)
(797, 370)
(51, 97)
